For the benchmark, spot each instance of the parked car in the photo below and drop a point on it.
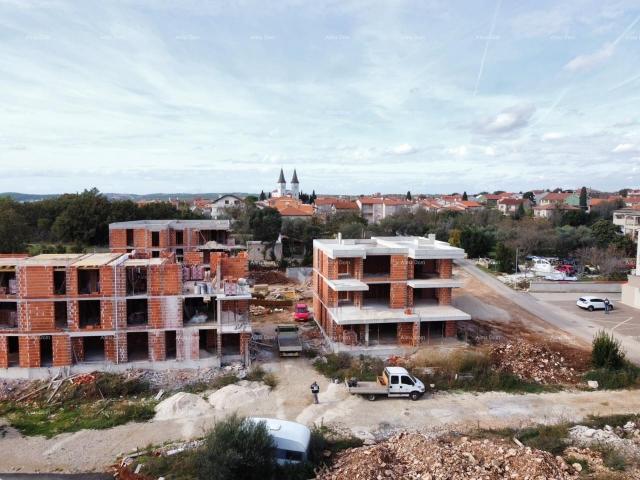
(566, 269)
(301, 313)
(592, 303)
(561, 277)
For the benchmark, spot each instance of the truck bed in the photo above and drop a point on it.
(365, 388)
(289, 341)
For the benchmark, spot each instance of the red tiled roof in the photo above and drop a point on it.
(510, 201)
(556, 207)
(556, 197)
(370, 200)
(470, 203)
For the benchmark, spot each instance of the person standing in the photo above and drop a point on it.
(606, 305)
(315, 389)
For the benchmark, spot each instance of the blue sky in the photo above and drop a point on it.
(359, 96)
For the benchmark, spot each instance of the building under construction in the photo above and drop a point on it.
(105, 310)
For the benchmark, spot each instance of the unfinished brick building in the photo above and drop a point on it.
(111, 309)
(176, 236)
(385, 292)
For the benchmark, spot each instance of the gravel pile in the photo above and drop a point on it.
(625, 440)
(534, 362)
(413, 456)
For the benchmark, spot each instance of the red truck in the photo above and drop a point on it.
(302, 313)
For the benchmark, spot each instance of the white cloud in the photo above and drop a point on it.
(507, 120)
(625, 147)
(589, 61)
(553, 136)
(404, 149)
(459, 151)
(490, 151)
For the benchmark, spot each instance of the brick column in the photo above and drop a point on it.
(29, 351)
(4, 352)
(444, 296)
(244, 344)
(398, 295)
(445, 268)
(157, 347)
(450, 329)
(77, 349)
(416, 334)
(61, 350)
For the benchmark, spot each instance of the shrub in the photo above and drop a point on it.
(626, 377)
(607, 352)
(551, 438)
(270, 380)
(342, 365)
(614, 459)
(237, 448)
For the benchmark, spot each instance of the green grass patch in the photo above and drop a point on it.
(614, 379)
(34, 419)
(342, 365)
(180, 466)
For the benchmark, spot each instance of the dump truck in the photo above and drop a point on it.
(289, 343)
(394, 382)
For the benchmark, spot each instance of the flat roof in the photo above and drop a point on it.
(96, 260)
(143, 262)
(173, 224)
(413, 247)
(348, 285)
(374, 314)
(53, 259)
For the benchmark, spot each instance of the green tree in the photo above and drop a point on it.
(13, 227)
(408, 196)
(265, 224)
(520, 212)
(606, 352)
(583, 198)
(465, 197)
(605, 232)
(237, 448)
(529, 196)
(454, 237)
(313, 196)
(262, 195)
(505, 258)
(477, 241)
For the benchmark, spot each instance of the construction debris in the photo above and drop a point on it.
(533, 362)
(269, 277)
(414, 456)
(624, 440)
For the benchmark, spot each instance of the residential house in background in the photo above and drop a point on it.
(330, 205)
(385, 292)
(374, 209)
(290, 208)
(549, 209)
(628, 219)
(509, 206)
(219, 205)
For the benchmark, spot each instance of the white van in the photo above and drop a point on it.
(291, 439)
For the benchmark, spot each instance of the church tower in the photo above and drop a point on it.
(281, 189)
(295, 185)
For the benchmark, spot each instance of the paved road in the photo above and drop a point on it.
(572, 323)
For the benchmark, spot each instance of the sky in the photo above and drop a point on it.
(359, 96)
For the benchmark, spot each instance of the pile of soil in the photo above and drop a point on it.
(269, 277)
(413, 456)
(536, 362)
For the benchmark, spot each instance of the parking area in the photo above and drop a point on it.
(622, 320)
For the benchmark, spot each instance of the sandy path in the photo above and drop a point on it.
(92, 450)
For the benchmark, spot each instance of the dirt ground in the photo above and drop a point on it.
(93, 450)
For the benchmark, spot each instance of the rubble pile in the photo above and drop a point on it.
(625, 440)
(533, 362)
(413, 456)
(170, 380)
(269, 277)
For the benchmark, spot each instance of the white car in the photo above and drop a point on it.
(593, 303)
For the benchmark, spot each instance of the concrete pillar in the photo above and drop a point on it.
(366, 334)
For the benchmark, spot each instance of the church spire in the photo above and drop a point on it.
(281, 179)
(295, 177)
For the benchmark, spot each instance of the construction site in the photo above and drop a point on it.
(137, 305)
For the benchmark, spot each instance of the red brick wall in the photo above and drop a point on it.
(193, 258)
(35, 281)
(445, 268)
(61, 350)
(29, 351)
(398, 295)
(244, 343)
(4, 352)
(141, 238)
(36, 316)
(118, 240)
(235, 267)
(450, 329)
(444, 296)
(157, 347)
(398, 267)
(165, 279)
(77, 349)
(409, 334)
